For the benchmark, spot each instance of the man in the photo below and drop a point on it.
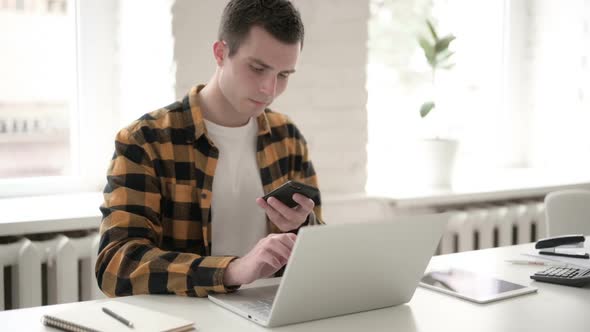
(183, 198)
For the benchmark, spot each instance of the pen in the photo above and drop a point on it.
(523, 262)
(117, 317)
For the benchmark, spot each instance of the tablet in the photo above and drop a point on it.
(472, 286)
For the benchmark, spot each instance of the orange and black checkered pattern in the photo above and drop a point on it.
(157, 220)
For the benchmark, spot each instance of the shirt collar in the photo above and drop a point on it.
(194, 115)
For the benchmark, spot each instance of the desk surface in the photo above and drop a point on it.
(552, 308)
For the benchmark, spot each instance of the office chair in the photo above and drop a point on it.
(568, 212)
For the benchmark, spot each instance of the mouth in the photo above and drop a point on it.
(258, 103)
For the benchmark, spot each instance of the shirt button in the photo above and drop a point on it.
(203, 195)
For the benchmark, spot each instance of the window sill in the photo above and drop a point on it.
(485, 186)
(75, 211)
(51, 213)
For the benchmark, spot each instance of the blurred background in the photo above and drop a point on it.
(514, 104)
(74, 72)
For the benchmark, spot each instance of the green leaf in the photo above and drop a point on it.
(443, 43)
(448, 66)
(424, 43)
(441, 57)
(432, 30)
(426, 108)
(428, 50)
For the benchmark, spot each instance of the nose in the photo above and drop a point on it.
(269, 85)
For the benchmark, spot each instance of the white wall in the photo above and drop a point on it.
(145, 46)
(327, 95)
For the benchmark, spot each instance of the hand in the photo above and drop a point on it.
(268, 256)
(284, 217)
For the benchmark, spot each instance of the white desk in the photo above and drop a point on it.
(553, 308)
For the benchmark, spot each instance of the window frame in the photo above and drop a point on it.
(94, 108)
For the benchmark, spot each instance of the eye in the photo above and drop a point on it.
(256, 69)
(284, 75)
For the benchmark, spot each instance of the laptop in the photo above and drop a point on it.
(342, 269)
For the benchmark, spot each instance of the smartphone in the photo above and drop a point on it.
(285, 192)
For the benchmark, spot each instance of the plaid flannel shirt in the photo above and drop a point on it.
(156, 222)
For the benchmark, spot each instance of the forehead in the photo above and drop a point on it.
(262, 45)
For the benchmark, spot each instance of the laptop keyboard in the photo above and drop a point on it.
(260, 307)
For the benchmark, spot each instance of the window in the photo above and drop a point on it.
(37, 88)
(76, 72)
(517, 98)
(560, 85)
(58, 101)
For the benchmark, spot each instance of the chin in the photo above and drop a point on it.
(253, 109)
(257, 112)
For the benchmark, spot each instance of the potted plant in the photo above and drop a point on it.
(439, 152)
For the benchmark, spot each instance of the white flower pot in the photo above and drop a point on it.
(437, 159)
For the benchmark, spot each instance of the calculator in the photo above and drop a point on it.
(569, 276)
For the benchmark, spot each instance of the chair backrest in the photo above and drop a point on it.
(568, 212)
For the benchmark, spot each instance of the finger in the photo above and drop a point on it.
(274, 215)
(287, 212)
(262, 203)
(306, 203)
(284, 261)
(301, 213)
(267, 271)
(278, 219)
(270, 260)
(278, 248)
(288, 239)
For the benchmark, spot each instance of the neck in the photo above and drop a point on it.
(216, 108)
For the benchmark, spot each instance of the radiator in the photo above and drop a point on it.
(483, 226)
(471, 226)
(58, 270)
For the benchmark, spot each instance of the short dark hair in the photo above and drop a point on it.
(278, 17)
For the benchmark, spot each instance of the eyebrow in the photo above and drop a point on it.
(267, 66)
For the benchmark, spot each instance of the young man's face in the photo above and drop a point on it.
(258, 72)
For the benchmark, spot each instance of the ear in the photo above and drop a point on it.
(219, 51)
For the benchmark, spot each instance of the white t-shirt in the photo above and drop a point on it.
(237, 222)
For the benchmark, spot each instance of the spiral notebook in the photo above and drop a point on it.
(89, 317)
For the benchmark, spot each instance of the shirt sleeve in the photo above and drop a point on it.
(304, 171)
(130, 260)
